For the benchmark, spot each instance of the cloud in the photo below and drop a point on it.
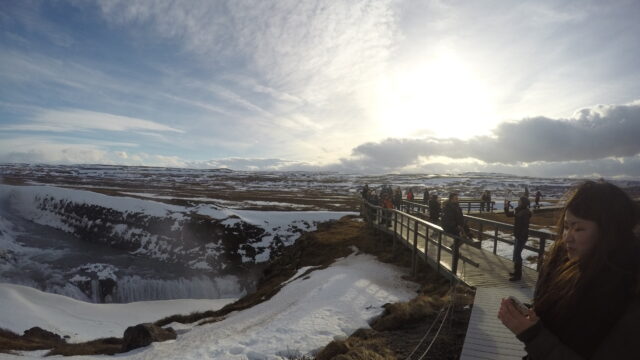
(309, 48)
(592, 133)
(43, 150)
(82, 120)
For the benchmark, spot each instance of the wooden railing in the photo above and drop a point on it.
(479, 227)
(468, 205)
(416, 234)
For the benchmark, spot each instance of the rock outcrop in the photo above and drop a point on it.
(144, 334)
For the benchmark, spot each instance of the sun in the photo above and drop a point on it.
(443, 97)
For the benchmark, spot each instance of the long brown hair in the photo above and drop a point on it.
(613, 257)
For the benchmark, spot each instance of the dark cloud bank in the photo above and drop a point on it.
(604, 140)
(598, 141)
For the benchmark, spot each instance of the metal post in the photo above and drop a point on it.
(481, 232)
(468, 207)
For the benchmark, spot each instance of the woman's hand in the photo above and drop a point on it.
(513, 319)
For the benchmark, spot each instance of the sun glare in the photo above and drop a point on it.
(441, 98)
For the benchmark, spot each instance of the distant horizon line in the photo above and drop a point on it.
(228, 169)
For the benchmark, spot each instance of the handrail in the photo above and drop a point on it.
(491, 205)
(384, 215)
(536, 233)
(479, 230)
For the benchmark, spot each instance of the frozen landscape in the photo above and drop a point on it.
(83, 246)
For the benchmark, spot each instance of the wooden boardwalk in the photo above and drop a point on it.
(486, 337)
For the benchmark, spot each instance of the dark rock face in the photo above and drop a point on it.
(188, 238)
(144, 334)
(44, 335)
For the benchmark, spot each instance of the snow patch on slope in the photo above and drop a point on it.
(305, 315)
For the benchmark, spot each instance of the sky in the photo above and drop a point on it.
(539, 88)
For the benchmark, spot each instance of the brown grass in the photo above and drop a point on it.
(107, 346)
(362, 345)
(11, 341)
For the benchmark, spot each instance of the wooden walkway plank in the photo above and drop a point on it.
(486, 337)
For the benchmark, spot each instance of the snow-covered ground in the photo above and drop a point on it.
(24, 307)
(307, 313)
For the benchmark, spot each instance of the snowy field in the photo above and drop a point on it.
(305, 315)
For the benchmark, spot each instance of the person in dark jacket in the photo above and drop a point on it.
(365, 192)
(397, 198)
(587, 299)
(425, 196)
(434, 208)
(522, 215)
(537, 199)
(452, 218)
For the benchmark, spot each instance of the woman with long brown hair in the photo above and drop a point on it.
(586, 303)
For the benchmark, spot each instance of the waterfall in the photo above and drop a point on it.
(135, 288)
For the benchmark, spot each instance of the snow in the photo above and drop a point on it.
(119, 203)
(307, 313)
(25, 307)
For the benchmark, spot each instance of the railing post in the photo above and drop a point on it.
(468, 207)
(426, 243)
(481, 232)
(414, 260)
(408, 229)
(395, 230)
(439, 249)
(495, 241)
(543, 241)
(455, 256)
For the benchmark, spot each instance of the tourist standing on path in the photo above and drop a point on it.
(434, 208)
(526, 191)
(507, 201)
(485, 201)
(587, 300)
(387, 205)
(365, 192)
(397, 198)
(409, 195)
(522, 215)
(425, 196)
(452, 218)
(537, 199)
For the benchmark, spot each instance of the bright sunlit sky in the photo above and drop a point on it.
(548, 88)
